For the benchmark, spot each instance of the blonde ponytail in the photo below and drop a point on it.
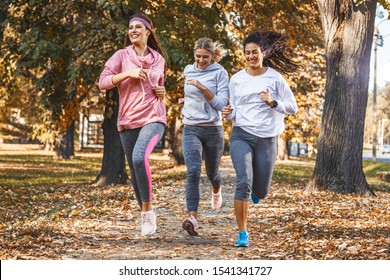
(215, 48)
(219, 51)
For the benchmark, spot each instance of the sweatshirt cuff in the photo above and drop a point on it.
(107, 83)
(280, 108)
(214, 101)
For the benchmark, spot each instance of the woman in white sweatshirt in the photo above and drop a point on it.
(206, 92)
(259, 99)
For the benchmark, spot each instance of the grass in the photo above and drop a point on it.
(18, 170)
(30, 169)
(36, 169)
(371, 170)
(293, 172)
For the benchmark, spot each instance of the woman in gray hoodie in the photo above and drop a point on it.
(206, 92)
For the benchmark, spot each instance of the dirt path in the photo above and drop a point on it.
(118, 237)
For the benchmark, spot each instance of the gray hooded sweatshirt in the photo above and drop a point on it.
(197, 109)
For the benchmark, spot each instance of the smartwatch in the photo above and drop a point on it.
(274, 104)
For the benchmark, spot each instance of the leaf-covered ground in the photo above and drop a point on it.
(51, 210)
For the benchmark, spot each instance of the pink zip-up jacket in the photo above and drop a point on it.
(138, 105)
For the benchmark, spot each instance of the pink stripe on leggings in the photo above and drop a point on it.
(148, 151)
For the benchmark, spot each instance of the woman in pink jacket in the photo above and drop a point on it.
(138, 71)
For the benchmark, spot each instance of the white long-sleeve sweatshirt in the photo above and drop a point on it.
(252, 114)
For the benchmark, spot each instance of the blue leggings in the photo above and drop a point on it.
(253, 159)
(138, 144)
(195, 140)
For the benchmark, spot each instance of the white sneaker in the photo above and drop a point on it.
(148, 222)
(190, 224)
(216, 200)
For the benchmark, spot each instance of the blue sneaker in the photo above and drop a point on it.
(243, 239)
(255, 199)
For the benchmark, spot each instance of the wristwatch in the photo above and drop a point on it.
(274, 104)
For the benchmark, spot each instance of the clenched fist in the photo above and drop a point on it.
(159, 91)
(266, 97)
(226, 111)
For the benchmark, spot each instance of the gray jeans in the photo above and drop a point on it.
(138, 144)
(196, 139)
(253, 159)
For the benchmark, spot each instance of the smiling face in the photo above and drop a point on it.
(253, 55)
(138, 33)
(202, 58)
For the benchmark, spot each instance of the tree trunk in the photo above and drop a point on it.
(69, 141)
(177, 151)
(114, 164)
(60, 146)
(64, 143)
(282, 149)
(348, 31)
(3, 17)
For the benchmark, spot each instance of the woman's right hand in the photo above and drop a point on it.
(226, 111)
(138, 73)
(181, 102)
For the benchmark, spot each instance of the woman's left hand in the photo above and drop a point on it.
(197, 84)
(266, 97)
(159, 91)
(226, 111)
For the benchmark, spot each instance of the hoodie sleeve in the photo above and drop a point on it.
(162, 69)
(221, 97)
(161, 81)
(112, 67)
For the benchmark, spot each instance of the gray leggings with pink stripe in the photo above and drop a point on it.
(138, 144)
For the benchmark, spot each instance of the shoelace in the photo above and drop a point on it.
(216, 196)
(146, 219)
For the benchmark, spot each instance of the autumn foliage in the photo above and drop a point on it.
(63, 49)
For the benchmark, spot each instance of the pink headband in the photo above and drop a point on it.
(147, 24)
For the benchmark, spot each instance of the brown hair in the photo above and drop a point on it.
(152, 42)
(279, 54)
